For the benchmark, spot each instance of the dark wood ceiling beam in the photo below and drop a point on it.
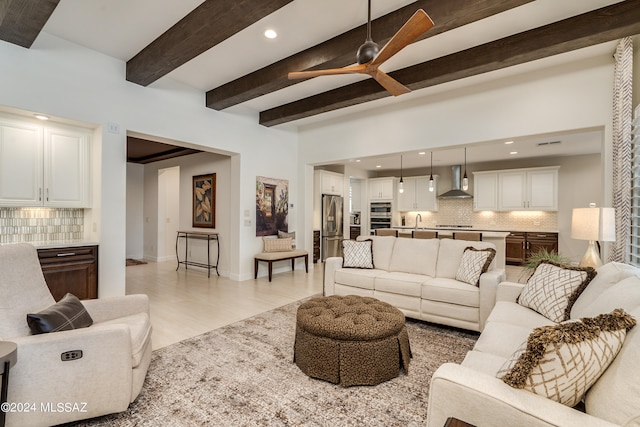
(22, 20)
(341, 50)
(207, 25)
(591, 28)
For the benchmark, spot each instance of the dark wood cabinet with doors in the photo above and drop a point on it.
(520, 245)
(354, 232)
(316, 246)
(71, 270)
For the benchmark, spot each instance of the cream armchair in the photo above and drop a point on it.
(116, 349)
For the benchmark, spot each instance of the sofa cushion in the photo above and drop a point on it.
(382, 248)
(417, 256)
(625, 295)
(357, 254)
(553, 288)
(608, 275)
(614, 397)
(515, 314)
(357, 277)
(501, 339)
(400, 283)
(450, 254)
(65, 315)
(451, 291)
(561, 362)
(486, 363)
(474, 262)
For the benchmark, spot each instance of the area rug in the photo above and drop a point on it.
(243, 375)
(131, 261)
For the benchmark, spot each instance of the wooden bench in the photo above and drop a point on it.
(270, 257)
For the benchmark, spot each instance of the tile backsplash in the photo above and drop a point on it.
(19, 225)
(460, 212)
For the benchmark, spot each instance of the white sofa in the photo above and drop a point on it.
(418, 277)
(471, 391)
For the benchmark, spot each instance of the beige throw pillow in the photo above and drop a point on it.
(552, 289)
(357, 254)
(285, 235)
(562, 362)
(474, 262)
(276, 245)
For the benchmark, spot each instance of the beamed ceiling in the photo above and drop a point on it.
(205, 43)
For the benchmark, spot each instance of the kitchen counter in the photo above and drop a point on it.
(53, 244)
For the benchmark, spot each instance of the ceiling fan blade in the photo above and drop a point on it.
(390, 84)
(417, 25)
(356, 69)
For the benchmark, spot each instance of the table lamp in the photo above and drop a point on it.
(593, 224)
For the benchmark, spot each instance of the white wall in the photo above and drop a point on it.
(554, 99)
(135, 204)
(65, 80)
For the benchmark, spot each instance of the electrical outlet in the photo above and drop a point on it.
(71, 355)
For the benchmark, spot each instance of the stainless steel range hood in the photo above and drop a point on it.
(455, 192)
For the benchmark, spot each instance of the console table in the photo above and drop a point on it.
(209, 236)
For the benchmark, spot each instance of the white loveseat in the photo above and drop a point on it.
(418, 277)
(471, 391)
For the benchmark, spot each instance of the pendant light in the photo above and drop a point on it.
(465, 180)
(401, 184)
(431, 176)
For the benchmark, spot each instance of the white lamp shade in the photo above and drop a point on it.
(596, 224)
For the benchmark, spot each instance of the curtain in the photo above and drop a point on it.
(622, 120)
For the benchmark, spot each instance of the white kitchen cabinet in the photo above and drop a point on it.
(330, 182)
(528, 189)
(485, 191)
(381, 188)
(44, 166)
(356, 195)
(416, 195)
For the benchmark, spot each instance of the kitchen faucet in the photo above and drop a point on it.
(418, 216)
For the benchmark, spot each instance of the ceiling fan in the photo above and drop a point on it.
(370, 56)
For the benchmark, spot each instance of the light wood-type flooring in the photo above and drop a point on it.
(185, 303)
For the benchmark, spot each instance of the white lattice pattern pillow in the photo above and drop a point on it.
(277, 245)
(474, 262)
(552, 289)
(562, 362)
(357, 254)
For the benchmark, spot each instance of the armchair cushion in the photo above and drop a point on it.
(552, 289)
(561, 362)
(66, 314)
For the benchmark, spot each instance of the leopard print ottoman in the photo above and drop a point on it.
(351, 340)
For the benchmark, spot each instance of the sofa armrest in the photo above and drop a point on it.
(101, 378)
(110, 308)
(509, 291)
(483, 400)
(330, 266)
(488, 284)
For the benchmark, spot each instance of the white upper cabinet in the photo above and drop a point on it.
(485, 191)
(330, 182)
(528, 189)
(381, 189)
(416, 195)
(44, 166)
(356, 195)
(516, 190)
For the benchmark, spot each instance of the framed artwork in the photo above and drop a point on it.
(272, 205)
(204, 201)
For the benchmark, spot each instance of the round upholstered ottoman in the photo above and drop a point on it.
(351, 340)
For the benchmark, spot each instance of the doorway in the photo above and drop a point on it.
(168, 211)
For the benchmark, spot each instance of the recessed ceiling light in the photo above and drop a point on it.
(378, 166)
(508, 142)
(270, 34)
(513, 152)
(41, 117)
(422, 153)
(358, 160)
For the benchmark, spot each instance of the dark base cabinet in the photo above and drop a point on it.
(520, 246)
(71, 270)
(316, 246)
(354, 232)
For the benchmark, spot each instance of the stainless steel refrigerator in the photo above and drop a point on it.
(331, 226)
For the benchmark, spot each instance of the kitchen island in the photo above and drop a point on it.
(498, 238)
